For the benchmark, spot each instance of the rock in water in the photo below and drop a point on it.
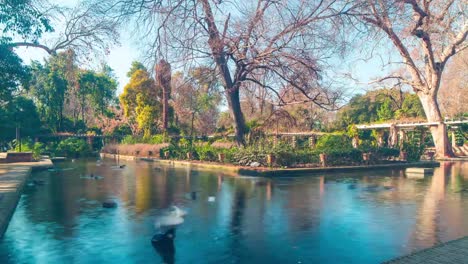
(109, 204)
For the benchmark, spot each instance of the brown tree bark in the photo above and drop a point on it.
(236, 113)
(163, 80)
(231, 86)
(439, 132)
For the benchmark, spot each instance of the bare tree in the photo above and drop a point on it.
(426, 34)
(80, 29)
(269, 43)
(454, 88)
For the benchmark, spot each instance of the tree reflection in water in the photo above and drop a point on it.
(164, 245)
(278, 220)
(438, 219)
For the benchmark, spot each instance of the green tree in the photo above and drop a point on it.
(96, 89)
(13, 73)
(22, 18)
(411, 107)
(360, 109)
(385, 111)
(379, 105)
(140, 97)
(22, 113)
(136, 65)
(18, 18)
(145, 116)
(49, 87)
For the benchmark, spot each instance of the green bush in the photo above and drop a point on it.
(413, 150)
(385, 153)
(129, 139)
(344, 157)
(158, 139)
(178, 149)
(206, 152)
(37, 149)
(333, 142)
(73, 147)
(28, 146)
(246, 156)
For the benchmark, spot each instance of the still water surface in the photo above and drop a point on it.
(359, 217)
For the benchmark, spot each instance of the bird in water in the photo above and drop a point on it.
(163, 241)
(171, 218)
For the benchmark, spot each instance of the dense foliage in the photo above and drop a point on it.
(380, 105)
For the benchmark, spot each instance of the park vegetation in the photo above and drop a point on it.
(220, 69)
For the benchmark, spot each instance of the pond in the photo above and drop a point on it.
(358, 217)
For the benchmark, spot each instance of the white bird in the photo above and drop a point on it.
(171, 218)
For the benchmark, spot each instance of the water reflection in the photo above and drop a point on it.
(364, 217)
(438, 219)
(164, 245)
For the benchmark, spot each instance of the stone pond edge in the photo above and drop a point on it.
(271, 172)
(16, 176)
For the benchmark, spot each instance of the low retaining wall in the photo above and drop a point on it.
(13, 177)
(11, 157)
(272, 172)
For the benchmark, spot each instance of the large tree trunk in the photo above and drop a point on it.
(237, 115)
(439, 132)
(231, 86)
(163, 79)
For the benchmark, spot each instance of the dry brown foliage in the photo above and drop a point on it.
(138, 150)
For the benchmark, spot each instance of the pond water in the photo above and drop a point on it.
(358, 217)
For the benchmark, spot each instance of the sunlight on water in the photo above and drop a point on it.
(359, 217)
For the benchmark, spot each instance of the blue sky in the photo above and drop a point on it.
(121, 57)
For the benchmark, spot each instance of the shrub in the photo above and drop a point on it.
(344, 157)
(333, 142)
(385, 153)
(37, 149)
(73, 147)
(246, 156)
(414, 150)
(206, 152)
(28, 146)
(158, 139)
(130, 140)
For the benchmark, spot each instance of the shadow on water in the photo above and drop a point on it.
(238, 209)
(163, 243)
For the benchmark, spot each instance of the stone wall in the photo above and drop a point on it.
(19, 157)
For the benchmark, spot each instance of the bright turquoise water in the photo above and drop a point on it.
(359, 217)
